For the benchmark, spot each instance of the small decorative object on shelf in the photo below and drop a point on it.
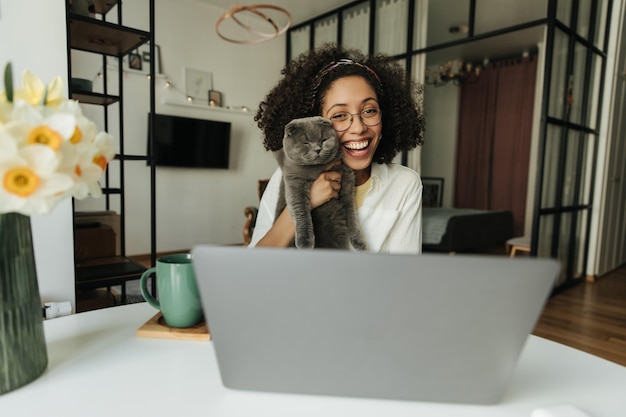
(134, 61)
(81, 7)
(197, 82)
(215, 98)
(432, 194)
(48, 151)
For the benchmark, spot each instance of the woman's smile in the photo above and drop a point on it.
(354, 96)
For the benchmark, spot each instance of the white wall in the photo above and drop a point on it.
(36, 41)
(193, 206)
(441, 109)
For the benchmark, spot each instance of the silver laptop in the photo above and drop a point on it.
(429, 327)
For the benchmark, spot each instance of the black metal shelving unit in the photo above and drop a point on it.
(98, 36)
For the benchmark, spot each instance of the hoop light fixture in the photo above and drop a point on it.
(258, 11)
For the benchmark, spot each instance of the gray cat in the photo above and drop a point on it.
(309, 145)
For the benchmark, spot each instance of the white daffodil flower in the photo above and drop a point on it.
(30, 183)
(33, 90)
(48, 151)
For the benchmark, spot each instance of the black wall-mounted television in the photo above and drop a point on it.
(189, 143)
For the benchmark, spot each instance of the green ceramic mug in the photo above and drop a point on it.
(178, 297)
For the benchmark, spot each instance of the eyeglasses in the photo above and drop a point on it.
(370, 117)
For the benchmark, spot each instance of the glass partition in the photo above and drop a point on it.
(559, 78)
(546, 228)
(550, 167)
(582, 219)
(584, 17)
(595, 93)
(438, 31)
(589, 146)
(299, 40)
(356, 26)
(570, 176)
(325, 30)
(420, 25)
(564, 12)
(391, 26)
(509, 13)
(576, 87)
(563, 242)
(448, 20)
(600, 26)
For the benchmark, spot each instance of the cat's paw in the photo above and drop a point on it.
(359, 245)
(305, 243)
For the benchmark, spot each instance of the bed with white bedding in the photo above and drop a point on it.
(461, 230)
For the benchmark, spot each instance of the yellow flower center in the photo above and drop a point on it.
(77, 136)
(21, 181)
(78, 171)
(44, 136)
(101, 161)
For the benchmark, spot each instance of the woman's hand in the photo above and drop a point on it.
(326, 186)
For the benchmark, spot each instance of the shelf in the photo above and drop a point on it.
(107, 272)
(88, 97)
(111, 191)
(132, 157)
(104, 37)
(91, 35)
(209, 108)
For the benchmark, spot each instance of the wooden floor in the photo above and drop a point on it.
(590, 317)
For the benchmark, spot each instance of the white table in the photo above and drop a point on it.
(98, 367)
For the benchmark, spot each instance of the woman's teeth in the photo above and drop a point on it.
(356, 145)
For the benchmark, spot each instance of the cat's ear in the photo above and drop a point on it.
(290, 129)
(325, 120)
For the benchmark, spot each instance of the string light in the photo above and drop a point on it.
(168, 85)
(458, 73)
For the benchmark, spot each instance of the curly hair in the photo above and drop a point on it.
(301, 92)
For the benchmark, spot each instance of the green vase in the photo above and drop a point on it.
(23, 354)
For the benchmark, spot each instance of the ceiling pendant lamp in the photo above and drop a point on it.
(253, 24)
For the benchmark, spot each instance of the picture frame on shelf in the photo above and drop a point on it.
(197, 82)
(134, 61)
(432, 194)
(215, 98)
(144, 50)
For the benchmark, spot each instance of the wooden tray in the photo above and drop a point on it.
(156, 328)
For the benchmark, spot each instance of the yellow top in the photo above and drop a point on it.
(361, 190)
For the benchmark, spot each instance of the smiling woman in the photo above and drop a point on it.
(375, 116)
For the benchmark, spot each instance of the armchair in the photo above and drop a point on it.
(251, 212)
